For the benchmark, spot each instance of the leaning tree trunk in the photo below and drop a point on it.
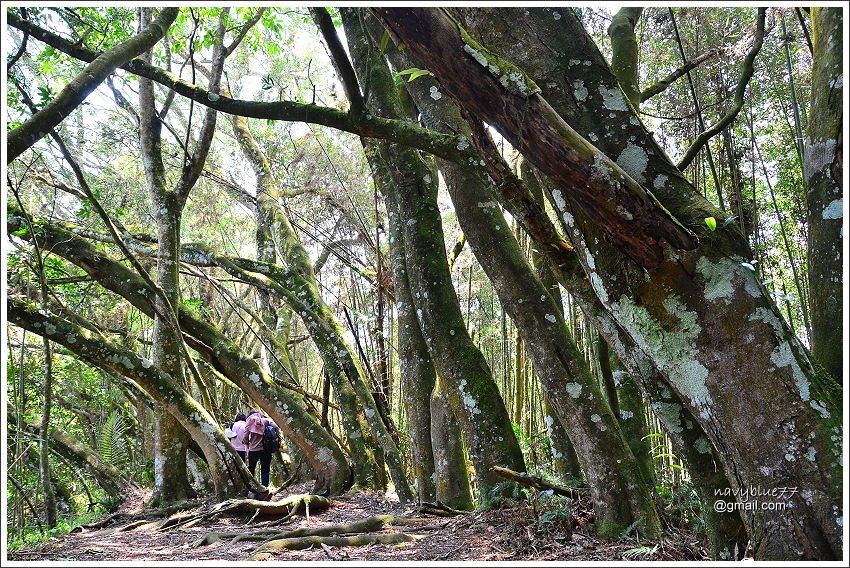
(347, 375)
(409, 184)
(823, 171)
(611, 469)
(690, 306)
(229, 474)
(323, 453)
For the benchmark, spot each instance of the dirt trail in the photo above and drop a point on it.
(496, 534)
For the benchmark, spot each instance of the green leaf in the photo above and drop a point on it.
(385, 39)
(417, 74)
(711, 223)
(414, 73)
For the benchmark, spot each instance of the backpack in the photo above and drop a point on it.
(271, 437)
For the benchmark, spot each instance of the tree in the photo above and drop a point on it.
(668, 326)
(823, 170)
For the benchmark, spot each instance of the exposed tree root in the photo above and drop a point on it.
(535, 482)
(438, 509)
(267, 550)
(369, 524)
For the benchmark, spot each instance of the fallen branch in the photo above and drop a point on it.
(267, 550)
(534, 481)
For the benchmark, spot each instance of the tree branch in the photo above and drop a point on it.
(747, 70)
(340, 60)
(75, 92)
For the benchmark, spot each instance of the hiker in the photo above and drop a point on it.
(255, 427)
(235, 433)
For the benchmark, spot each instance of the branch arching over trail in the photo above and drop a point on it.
(104, 64)
(324, 454)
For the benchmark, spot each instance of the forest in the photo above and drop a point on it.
(543, 283)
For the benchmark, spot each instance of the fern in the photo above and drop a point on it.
(112, 444)
(641, 551)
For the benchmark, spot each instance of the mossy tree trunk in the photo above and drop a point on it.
(823, 171)
(417, 373)
(620, 495)
(408, 181)
(624, 51)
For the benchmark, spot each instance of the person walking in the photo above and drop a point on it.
(235, 433)
(255, 427)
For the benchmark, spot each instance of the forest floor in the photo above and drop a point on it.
(512, 532)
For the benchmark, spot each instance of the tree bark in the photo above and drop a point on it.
(574, 393)
(823, 171)
(409, 184)
(624, 52)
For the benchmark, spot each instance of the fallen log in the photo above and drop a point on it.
(535, 481)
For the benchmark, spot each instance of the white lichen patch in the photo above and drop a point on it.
(613, 99)
(668, 413)
(811, 453)
(598, 287)
(633, 160)
(550, 318)
(819, 154)
(435, 93)
(835, 209)
(463, 144)
(574, 389)
(146, 363)
(673, 350)
(560, 202)
(720, 278)
(595, 418)
(659, 181)
(626, 414)
(579, 90)
(254, 378)
(325, 456)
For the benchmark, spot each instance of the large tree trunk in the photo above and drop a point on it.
(451, 475)
(409, 185)
(823, 171)
(774, 420)
(417, 373)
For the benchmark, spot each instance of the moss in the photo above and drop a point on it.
(510, 76)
